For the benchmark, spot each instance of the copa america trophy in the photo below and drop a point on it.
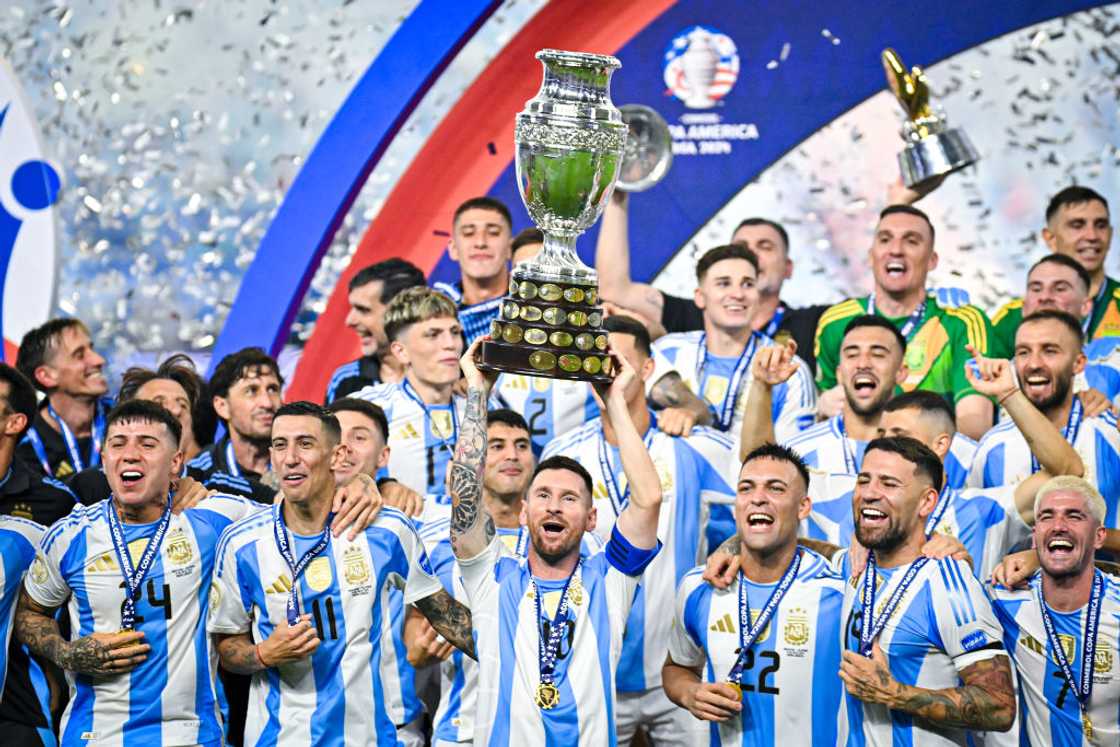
(569, 144)
(933, 149)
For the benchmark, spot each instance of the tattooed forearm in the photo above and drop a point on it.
(671, 391)
(238, 653)
(819, 546)
(986, 702)
(733, 545)
(471, 527)
(39, 631)
(451, 619)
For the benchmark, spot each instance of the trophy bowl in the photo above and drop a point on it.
(649, 149)
(569, 141)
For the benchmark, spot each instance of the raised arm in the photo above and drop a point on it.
(771, 366)
(612, 262)
(472, 528)
(681, 409)
(638, 521)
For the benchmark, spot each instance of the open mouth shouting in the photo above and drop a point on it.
(864, 384)
(553, 530)
(759, 520)
(873, 518)
(1037, 384)
(1060, 547)
(895, 268)
(130, 478)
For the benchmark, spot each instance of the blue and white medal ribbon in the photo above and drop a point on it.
(1069, 433)
(943, 499)
(912, 325)
(445, 442)
(1082, 687)
(748, 631)
(725, 412)
(522, 548)
(548, 695)
(1088, 321)
(71, 441)
(619, 497)
(297, 567)
(775, 322)
(134, 577)
(873, 626)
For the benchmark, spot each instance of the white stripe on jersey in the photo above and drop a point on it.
(962, 452)
(551, 407)
(1003, 458)
(1048, 708)
(341, 694)
(830, 518)
(987, 522)
(967, 631)
(793, 402)
(168, 699)
(419, 455)
(798, 653)
(697, 473)
(507, 633)
(19, 539)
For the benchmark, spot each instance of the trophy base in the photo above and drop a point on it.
(518, 359)
(936, 155)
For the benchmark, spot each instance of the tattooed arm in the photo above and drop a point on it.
(96, 655)
(450, 618)
(284, 645)
(680, 408)
(471, 525)
(985, 702)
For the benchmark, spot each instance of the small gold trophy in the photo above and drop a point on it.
(933, 149)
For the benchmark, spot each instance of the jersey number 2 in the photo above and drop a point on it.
(163, 602)
(775, 664)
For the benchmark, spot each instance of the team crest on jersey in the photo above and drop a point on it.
(575, 591)
(1102, 658)
(664, 475)
(179, 550)
(797, 627)
(38, 570)
(23, 511)
(318, 574)
(715, 388)
(355, 568)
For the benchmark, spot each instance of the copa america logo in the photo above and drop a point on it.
(701, 66)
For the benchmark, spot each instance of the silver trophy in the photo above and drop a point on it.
(649, 149)
(933, 149)
(569, 141)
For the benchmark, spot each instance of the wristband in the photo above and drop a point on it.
(1010, 394)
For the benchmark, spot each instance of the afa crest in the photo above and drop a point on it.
(355, 567)
(179, 550)
(797, 627)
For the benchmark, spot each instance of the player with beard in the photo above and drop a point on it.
(902, 255)
(1063, 629)
(923, 662)
(509, 467)
(700, 377)
(245, 392)
(134, 574)
(696, 474)
(481, 232)
(549, 626)
(423, 411)
(1047, 357)
(370, 292)
(727, 663)
(59, 359)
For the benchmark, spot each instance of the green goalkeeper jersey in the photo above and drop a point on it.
(1104, 321)
(936, 350)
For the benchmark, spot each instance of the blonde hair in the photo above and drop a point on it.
(417, 304)
(1078, 485)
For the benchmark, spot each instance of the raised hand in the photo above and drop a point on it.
(992, 377)
(775, 365)
(475, 377)
(289, 643)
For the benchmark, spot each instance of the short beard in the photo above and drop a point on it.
(893, 538)
(560, 555)
(1062, 385)
(874, 407)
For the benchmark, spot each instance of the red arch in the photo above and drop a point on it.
(465, 155)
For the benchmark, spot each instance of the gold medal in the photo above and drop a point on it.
(1086, 726)
(547, 695)
(737, 688)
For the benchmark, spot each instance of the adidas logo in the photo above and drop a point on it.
(724, 625)
(282, 585)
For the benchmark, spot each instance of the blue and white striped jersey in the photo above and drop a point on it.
(1004, 458)
(551, 407)
(344, 692)
(169, 699)
(830, 517)
(454, 719)
(19, 538)
(475, 319)
(794, 403)
(943, 624)
(697, 476)
(1048, 710)
(1102, 369)
(797, 654)
(508, 630)
(826, 447)
(422, 437)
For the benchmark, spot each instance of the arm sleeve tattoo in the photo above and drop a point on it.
(986, 701)
(450, 618)
(471, 526)
(671, 391)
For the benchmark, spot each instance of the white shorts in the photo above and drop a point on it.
(666, 723)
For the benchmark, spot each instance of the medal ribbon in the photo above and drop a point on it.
(1069, 433)
(1088, 321)
(775, 321)
(871, 629)
(97, 434)
(725, 413)
(939, 510)
(912, 325)
(547, 652)
(445, 443)
(849, 457)
(748, 632)
(1083, 687)
(134, 577)
(280, 530)
(619, 497)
